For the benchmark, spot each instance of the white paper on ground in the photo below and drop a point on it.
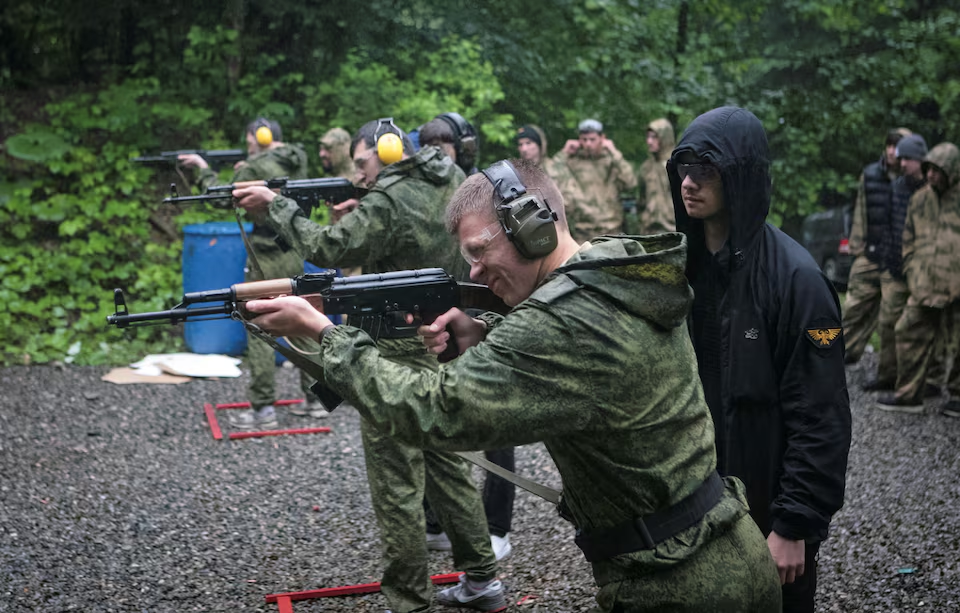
(188, 365)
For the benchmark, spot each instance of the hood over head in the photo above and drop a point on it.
(642, 274)
(337, 140)
(429, 164)
(733, 140)
(664, 131)
(946, 157)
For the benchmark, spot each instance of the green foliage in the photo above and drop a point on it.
(85, 87)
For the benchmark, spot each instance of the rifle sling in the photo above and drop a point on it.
(547, 493)
(250, 252)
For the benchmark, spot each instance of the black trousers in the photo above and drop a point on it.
(798, 597)
(498, 496)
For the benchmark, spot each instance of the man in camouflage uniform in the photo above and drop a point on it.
(910, 153)
(599, 174)
(268, 157)
(931, 265)
(398, 226)
(595, 361)
(870, 221)
(656, 205)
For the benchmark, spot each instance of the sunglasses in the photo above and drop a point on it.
(699, 173)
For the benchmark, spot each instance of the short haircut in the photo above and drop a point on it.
(475, 196)
(263, 122)
(372, 130)
(436, 131)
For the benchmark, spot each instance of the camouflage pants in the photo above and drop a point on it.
(894, 298)
(861, 307)
(733, 573)
(926, 334)
(276, 264)
(399, 477)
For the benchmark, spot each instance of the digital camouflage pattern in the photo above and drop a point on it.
(399, 226)
(598, 365)
(286, 160)
(656, 204)
(592, 193)
(931, 264)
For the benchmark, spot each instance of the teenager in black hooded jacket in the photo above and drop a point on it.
(766, 327)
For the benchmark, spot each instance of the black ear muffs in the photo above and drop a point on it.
(528, 221)
(465, 141)
(389, 144)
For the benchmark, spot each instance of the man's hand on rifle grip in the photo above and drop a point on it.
(466, 331)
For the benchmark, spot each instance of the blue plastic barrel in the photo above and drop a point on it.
(214, 257)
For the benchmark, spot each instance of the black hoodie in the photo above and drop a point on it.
(766, 328)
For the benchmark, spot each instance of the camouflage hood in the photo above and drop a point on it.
(946, 157)
(292, 157)
(664, 131)
(644, 275)
(430, 164)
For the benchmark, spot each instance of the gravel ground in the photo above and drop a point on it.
(117, 498)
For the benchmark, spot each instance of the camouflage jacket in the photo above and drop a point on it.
(287, 160)
(656, 205)
(598, 365)
(592, 195)
(931, 236)
(398, 225)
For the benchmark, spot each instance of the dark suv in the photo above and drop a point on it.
(826, 236)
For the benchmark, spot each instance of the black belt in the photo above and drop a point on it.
(646, 532)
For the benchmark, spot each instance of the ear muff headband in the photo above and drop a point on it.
(527, 220)
(464, 139)
(389, 144)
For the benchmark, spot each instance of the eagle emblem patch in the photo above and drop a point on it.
(823, 337)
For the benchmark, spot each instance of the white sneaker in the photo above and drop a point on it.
(478, 596)
(438, 542)
(311, 408)
(242, 419)
(267, 417)
(501, 545)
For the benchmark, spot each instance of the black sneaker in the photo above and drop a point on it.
(951, 409)
(931, 390)
(888, 401)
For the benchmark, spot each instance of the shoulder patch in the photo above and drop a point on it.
(822, 338)
(554, 289)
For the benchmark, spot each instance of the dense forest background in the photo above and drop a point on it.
(86, 85)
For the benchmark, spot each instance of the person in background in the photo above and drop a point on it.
(268, 157)
(656, 205)
(598, 177)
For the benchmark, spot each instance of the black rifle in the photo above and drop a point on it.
(307, 193)
(376, 303)
(216, 158)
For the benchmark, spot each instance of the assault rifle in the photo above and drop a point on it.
(307, 193)
(376, 303)
(216, 158)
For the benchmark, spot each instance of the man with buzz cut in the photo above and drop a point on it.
(594, 360)
(765, 324)
(598, 176)
(398, 225)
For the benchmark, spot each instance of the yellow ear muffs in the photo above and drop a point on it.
(264, 136)
(389, 148)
